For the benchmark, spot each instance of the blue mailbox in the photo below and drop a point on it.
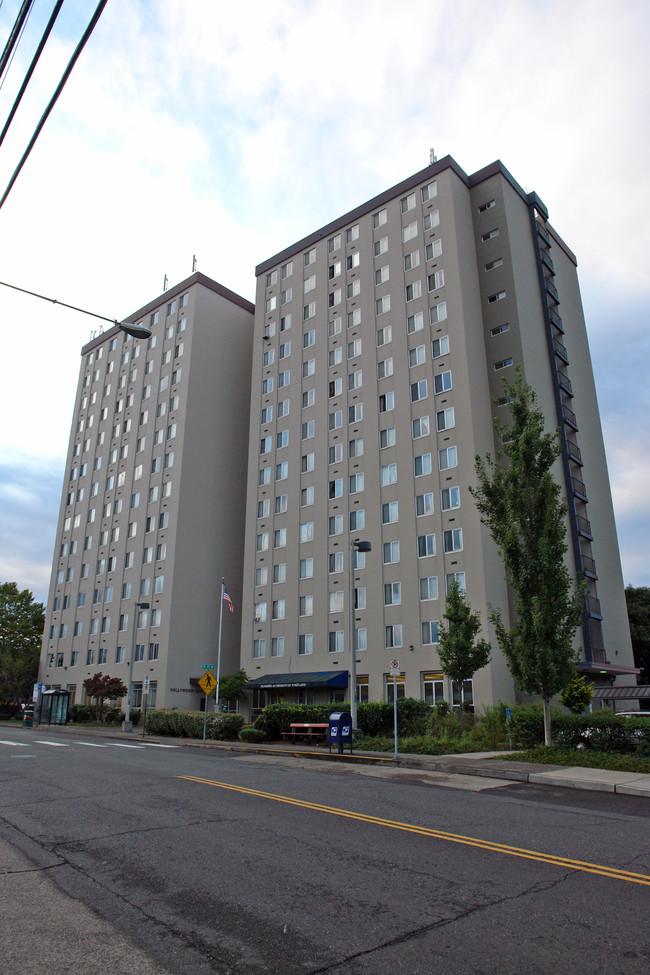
(340, 730)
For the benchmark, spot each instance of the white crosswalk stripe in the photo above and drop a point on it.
(90, 744)
(15, 744)
(52, 744)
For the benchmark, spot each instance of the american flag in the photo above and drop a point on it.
(227, 599)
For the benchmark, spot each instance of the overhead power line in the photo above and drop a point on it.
(54, 98)
(14, 36)
(30, 72)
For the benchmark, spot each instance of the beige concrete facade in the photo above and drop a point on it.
(153, 500)
(395, 326)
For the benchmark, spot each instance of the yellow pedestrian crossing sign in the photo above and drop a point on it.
(207, 682)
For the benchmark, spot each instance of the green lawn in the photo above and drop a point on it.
(585, 759)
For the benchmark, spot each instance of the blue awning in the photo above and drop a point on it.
(319, 678)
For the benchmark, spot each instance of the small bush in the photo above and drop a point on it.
(252, 735)
(277, 718)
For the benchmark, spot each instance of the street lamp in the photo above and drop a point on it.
(359, 547)
(127, 724)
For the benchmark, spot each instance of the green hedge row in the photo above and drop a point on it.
(87, 713)
(601, 731)
(376, 718)
(189, 724)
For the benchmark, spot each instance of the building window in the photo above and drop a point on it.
(357, 520)
(306, 569)
(486, 206)
(382, 274)
(499, 329)
(389, 512)
(393, 635)
(438, 313)
(424, 504)
(278, 609)
(282, 439)
(387, 437)
(384, 335)
(503, 364)
(279, 572)
(453, 540)
(356, 482)
(440, 346)
(280, 538)
(307, 531)
(435, 280)
(413, 290)
(355, 449)
(442, 382)
(415, 323)
(422, 464)
(411, 260)
(429, 632)
(447, 457)
(259, 649)
(433, 249)
(498, 296)
(386, 402)
(262, 542)
(420, 427)
(390, 552)
(458, 577)
(334, 244)
(382, 305)
(392, 593)
(491, 265)
(264, 476)
(445, 419)
(417, 356)
(309, 311)
(277, 646)
(306, 496)
(284, 351)
(335, 356)
(335, 488)
(307, 430)
(335, 525)
(335, 562)
(335, 642)
(385, 368)
(306, 463)
(305, 644)
(355, 413)
(429, 587)
(388, 474)
(379, 218)
(286, 270)
(450, 498)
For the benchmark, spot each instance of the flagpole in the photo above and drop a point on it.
(216, 693)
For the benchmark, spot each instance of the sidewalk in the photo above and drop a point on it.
(473, 763)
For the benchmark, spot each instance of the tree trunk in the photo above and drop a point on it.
(462, 709)
(547, 722)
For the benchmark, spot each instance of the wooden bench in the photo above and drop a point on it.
(308, 730)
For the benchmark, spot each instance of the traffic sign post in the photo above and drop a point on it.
(207, 685)
(394, 670)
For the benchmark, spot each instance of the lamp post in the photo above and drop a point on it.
(127, 724)
(359, 547)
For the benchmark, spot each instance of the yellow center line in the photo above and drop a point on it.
(595, 868)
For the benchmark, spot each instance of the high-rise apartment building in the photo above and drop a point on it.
(380, 348)
(152, 512)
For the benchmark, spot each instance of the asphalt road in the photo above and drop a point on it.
(193, 861)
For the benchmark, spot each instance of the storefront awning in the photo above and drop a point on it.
(593, 669)
(635, 692)
(319, 678)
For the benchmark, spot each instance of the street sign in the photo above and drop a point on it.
(207, 683)
(145, 684)
(208, 666)
(394, 668)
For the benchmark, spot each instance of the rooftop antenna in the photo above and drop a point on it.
(432, 156)
(165, 282)
(193, 263)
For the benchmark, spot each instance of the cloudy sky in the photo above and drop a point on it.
(231, 130)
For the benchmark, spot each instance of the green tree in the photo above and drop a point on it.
(577, 695)
(21, 632)
(460, 656)
(101, 686)
(638, 611)
(231, 687)
(521, 504)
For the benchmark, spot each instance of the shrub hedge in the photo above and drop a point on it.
(87, 713)
(375, 718)
(189, 724)
(601, 731)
